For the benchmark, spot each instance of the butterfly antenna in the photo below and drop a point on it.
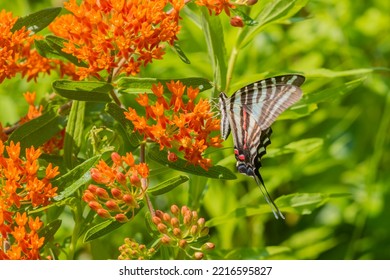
(275, 209)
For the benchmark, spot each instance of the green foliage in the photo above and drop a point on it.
(326, 166)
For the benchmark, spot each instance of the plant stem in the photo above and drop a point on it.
(144, 181)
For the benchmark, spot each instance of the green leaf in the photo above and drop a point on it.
(49, 230)
(107, 227)
(329, 93)
(52, 47)
(215, 41)
(37, 131)
(83, 91)
(37, 21)
(75, 178)
(216, 171)
(271, 12)
(301, 146)
(168, 185)
(137, 85)
(301, 203)
(118, 114)
(305, 203)
(74, 132)
(180, 53)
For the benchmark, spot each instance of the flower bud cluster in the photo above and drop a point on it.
(183, 229)
(118, 189)
(131, 250)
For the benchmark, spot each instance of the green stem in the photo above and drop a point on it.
(76, 230)
(144, 181)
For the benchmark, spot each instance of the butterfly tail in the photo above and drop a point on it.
(275, 209)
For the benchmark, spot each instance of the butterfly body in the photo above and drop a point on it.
(248, 115)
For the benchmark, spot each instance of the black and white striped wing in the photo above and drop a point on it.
(249, 113)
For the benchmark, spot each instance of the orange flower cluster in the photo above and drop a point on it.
(184, 230)
(121, 187)
(117, 34)
(21, 189)
(216, 6)
(16, 53)
(175, 123)
(131, 250)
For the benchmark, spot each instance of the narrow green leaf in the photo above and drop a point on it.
(83, 91)
(216, 171)
(49, 230)
(107, 226)
(37, 21)
(180, 53)
(74, 132)
(118, 114)
(329, 93)
(75, 178)
(271, 12)
(52, 47)
(37, 131)
(214, 35)
(168, 185)
(137, 85)
(301, 203)
(301, 146)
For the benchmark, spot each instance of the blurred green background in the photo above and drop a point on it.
(352, 156)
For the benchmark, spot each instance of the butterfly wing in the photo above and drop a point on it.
(249, 113)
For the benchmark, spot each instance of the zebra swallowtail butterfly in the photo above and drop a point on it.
(249, 114)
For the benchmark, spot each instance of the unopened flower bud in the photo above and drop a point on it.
(251, 2)
(175, 222)
(112, 205)
(198, 255)
(159, 214)
(116, 158)
(201, 222)
(94, 205)
(135, 180)
(121, 218)
(184, 210)
(165, 239)
(156, 220)
(121, 178)
(175, 210)
(128, 199)
(172, 157)
(97, 176)
(166, 217)
(177, 232)
(103, 213)
(162, 228)
(102, 193)
(236, 21)
(194, 215)
(194, 230)
(116, 193)
(182, 243)
(88, 196)
(92, 188)
(208, 246)
(187, 219)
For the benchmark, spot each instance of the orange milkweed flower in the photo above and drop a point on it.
(117, 34)
(21, 188)
(216, 6)
(178, 122)
(16, 52)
